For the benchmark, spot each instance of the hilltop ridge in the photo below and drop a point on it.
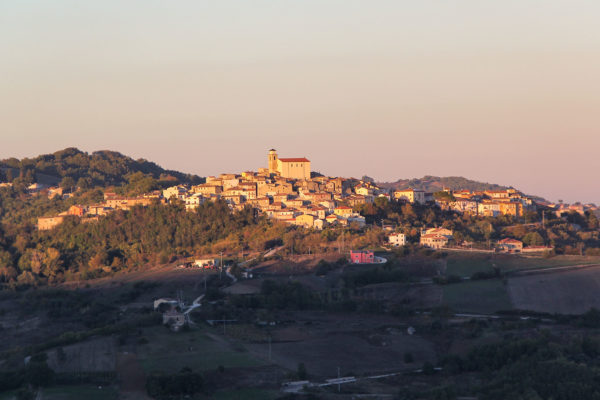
(99, 168)
(430, 183)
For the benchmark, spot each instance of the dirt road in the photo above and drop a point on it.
(131, 377)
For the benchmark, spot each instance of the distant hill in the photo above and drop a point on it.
(436, 183)
(100, 168)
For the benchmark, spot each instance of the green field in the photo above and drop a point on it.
(245, 394)
(9, 395)
(71, 393)
(170, 351)
(80, 392)
(484, 297)
(466, 264)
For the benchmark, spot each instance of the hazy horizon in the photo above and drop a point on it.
(500, 92)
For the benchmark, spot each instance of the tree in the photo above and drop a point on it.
(444, 196)
(533, 239)
(302, 373)
(67, 183)
(84, 183)
(39, 374)
(52, 262)
(98, 261)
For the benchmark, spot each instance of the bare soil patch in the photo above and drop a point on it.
(131, 376)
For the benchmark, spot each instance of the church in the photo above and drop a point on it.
(294, 168)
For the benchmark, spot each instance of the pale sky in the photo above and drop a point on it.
(500, 91)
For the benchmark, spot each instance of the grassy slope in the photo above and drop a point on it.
(80, 392)
(484, 297)
(170, 351)
(71, 393)
(467, 264)
(244, 394)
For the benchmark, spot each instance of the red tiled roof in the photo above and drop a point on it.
(303, 159)
(509, 240)
(433, 235)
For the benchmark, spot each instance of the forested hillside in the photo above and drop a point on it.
(436, 183)
(100, 168)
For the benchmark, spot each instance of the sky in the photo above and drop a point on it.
(499, 91)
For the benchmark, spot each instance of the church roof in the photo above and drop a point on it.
(302, 159)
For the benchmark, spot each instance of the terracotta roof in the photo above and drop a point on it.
(433, 235)
(303, 159)
(509, 240)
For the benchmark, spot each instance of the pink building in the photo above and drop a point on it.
(362, 257)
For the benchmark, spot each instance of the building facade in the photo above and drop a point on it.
(293, 168)
(397, 239)
(410, 195)
(362, 257)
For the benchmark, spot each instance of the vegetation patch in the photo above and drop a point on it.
(485, 296)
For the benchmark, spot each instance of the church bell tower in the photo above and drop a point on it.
(272, 161)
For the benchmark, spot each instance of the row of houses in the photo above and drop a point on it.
(91, 213)
(489, 203)
(485, 203)
(438, 238)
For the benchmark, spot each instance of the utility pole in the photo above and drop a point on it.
(543, 219)
(269, 346)
(339, 385)
(221, 265)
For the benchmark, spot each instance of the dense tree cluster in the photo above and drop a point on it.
(543, 367)
(174, 386)
(128, 239)
(72, 167)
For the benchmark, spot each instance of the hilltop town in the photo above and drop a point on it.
(288, 191)
(264, 279)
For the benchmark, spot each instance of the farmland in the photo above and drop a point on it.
(88, 392)
(487, 296)
(466, 264)
(566, 292)
(356, 344)
(197, 349)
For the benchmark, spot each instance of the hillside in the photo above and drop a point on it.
(100, 168)
(436, 183)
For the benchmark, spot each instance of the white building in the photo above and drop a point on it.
(178, 192)
(192, 202)
(397, 239)
(410, 195)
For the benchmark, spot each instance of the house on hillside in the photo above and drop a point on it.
(207, 263)
(362, 257)
(174, 319)
(397, 239)
(343, 211)
(410, 195)
(434, 240)
(438, 231)
(47, 223)
(510, 245)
